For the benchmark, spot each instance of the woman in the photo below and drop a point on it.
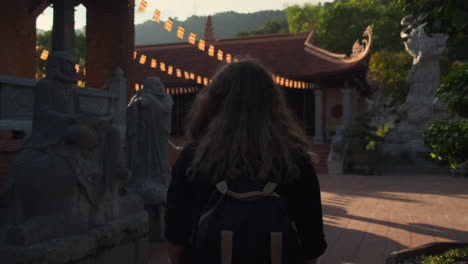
(241, 129)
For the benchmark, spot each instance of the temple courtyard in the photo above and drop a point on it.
(367, 217)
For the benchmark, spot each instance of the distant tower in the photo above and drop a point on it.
(209, 32)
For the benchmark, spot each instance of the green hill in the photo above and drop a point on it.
(226, 25)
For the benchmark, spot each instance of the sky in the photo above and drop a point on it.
(183, 9)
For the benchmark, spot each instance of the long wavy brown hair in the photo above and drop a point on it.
(242, 127)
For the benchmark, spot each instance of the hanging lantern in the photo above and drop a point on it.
(192, 38)
(180, 32)
(168, 25)
(157, 16)
(211, 50)
(201, 45)
(220, 55)
(154, 63)
(143, 59)
(143, 6)
(44, 55)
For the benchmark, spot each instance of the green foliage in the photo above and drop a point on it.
(390, 70)
(339, 24)
(271, 27)
(448, 257)
(80, 48)
(448, 141)
(453, 91)
(435, 16)
(300, 17)
(44, 41)
(364, 134)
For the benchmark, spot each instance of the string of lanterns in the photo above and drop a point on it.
(168, 25)
(179, 73)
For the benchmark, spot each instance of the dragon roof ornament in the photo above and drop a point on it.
(360, 50)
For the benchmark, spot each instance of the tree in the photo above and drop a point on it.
(439, 16)
(339, 24)
(390, 70)
(271, 27)
(299, 18)
(44, 41)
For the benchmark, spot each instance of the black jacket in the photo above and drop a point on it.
(186, 201)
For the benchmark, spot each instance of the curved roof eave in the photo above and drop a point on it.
(361, 49)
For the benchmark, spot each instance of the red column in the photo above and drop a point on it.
(110, 40)
(18, 39)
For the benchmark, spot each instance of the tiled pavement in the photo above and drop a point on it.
(367, 217)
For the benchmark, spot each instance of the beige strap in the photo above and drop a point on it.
(226, 247)
(222, 187)
(276, 247)
(269, 188)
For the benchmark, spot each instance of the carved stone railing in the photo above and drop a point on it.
(17, 101)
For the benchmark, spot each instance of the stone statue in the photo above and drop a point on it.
(412, 116)
(63, 179)
(148, 131)
(424, 76)
(338, 144)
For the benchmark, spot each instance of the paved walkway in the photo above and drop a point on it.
(367, 217)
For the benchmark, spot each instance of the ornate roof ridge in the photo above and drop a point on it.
(361, 49)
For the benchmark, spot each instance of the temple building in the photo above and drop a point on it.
(337, 82)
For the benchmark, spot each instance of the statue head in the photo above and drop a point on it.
(61, 67)
(153, 85)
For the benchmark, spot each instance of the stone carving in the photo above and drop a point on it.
(360, 47)
(338, 144)
(148, 131)
(424, 79)
(411, 117)
(64, 179)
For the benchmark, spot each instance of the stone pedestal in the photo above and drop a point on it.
(335, 167)
(121, 242)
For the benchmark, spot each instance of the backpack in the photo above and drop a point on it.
(248, 224)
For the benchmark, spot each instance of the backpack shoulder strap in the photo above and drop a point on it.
(269, 188)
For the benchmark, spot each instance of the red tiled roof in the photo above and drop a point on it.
(283, 54)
